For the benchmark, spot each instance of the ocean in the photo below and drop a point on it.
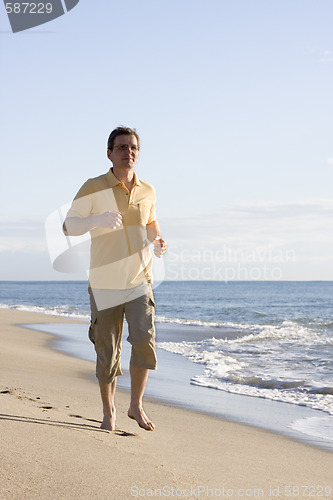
(269, 341)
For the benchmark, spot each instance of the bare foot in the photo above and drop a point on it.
(109, 421)
(143, 421)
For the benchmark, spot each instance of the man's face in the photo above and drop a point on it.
(125, 153)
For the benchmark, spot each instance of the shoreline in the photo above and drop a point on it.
(171, 384)
(52, 445)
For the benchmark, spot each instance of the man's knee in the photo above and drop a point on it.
(144, 355)
(106, 373)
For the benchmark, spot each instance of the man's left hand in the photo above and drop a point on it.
(160, 246)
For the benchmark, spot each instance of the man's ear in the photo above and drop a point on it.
(108, 153)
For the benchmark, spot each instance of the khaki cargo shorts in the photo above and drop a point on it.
(106, 327)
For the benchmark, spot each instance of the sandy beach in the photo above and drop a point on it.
(52, 446)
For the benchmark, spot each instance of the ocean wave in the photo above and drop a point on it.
(287, 331)
(205, 323)
(62, 311)
(286, 362)
(262, 383)
(297, 397)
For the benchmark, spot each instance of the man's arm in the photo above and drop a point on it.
(75, 226)
(154, 236)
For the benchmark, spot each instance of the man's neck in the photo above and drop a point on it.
(126, 176)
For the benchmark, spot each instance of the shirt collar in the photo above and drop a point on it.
(137, 181)
(113, 181)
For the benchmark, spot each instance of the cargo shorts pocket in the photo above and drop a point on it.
(92, 330)
(151, 298)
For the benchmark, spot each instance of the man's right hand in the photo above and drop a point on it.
(76, 226)
(110, 220)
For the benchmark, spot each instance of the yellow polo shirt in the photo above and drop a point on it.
(119, 259)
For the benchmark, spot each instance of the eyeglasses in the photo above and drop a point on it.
(125, 147)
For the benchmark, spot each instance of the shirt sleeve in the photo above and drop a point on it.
(152, 214)
(82, 204)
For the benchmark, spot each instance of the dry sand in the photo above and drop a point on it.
(52, 447)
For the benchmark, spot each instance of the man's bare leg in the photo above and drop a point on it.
(139, 377)
(109, 409)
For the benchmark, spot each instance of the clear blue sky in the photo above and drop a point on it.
(233, 101)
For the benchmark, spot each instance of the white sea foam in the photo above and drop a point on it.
(314, 401)
(319, 427)
(274, 363)
(204, 323)
(63, 311)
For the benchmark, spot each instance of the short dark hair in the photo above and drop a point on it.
(122, 131)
